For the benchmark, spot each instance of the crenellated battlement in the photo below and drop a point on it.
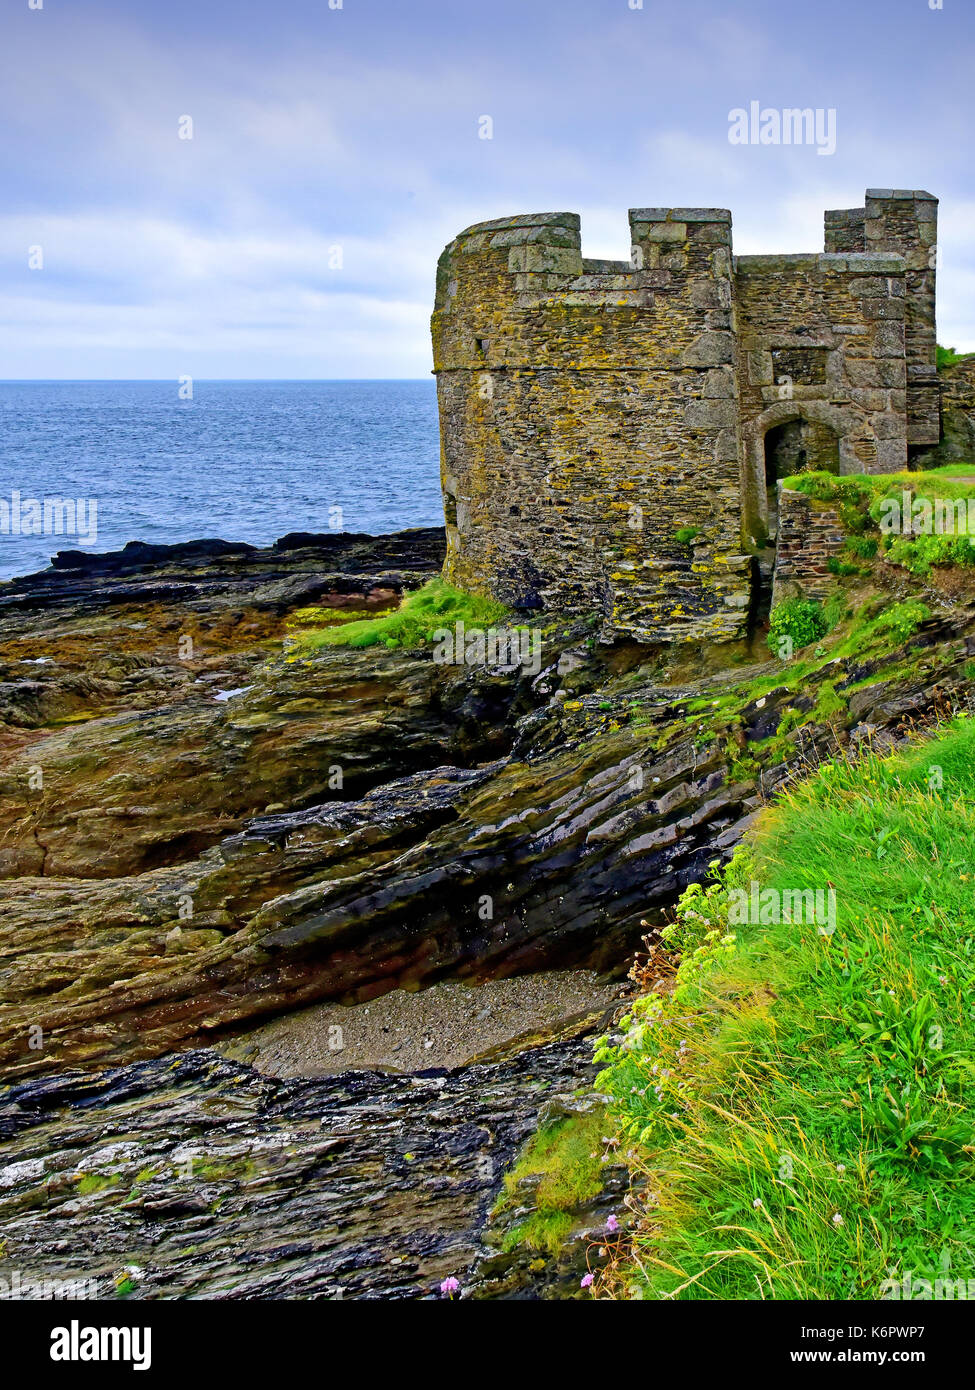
(516, 292)
(605, 425)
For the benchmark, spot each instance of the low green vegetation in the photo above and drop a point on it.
(800, 621)
(875, 636)
(413, 624)
(864, 547)
(829, 704)
(871, 509)
(234, 1169)
(881, 627)
(948, 357)
(868, 490)
(800, 1107)
(561, 1167)
(841, 567)
(919, 553)
(95, 1182)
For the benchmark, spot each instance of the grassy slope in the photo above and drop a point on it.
(801, 1107)
(413, 624)
(948, 357)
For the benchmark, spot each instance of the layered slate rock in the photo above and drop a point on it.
(190, 864)
(200, 1178)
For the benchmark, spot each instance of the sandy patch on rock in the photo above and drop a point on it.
(450, 1025)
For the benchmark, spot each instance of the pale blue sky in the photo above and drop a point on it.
(358, 127)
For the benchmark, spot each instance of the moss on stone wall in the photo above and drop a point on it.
(603, 424)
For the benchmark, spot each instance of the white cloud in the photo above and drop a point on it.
(218, 245)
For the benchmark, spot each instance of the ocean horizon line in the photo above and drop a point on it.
(204, 380)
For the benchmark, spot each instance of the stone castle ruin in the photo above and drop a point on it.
(612, 432)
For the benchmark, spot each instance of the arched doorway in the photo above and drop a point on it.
(828, 443)
(797, 446)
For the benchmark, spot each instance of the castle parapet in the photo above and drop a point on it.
(903, 221)
(582, 403)
(612, 431)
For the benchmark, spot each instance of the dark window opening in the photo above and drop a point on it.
(803, 366)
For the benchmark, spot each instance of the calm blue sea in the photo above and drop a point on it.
(242, 460)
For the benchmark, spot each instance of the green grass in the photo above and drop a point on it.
(95, 1182)
(865, 547)
(868, 490)
(947, 357)
(564, 1159)
(843, 568)
(801, 1106)
(878, 633)
(412, 624)
(951, 470)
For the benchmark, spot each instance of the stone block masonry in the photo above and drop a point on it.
(605, 425)
(811, 534)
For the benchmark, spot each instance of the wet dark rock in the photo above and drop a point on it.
(208, 1180)
(179, 862)
(219, 571)
(137, 555)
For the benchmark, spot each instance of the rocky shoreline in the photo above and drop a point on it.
(192, 900)
(198, 1177)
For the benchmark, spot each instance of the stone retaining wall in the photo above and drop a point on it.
(810, 535)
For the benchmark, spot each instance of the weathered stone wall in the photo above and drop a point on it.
(844, 230)
(958, 413)
(905, 221)
(958, 384)
(588, 415)
(603, 423)
(821, 338)
(810, 535)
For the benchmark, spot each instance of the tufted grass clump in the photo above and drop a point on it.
(801, 620)
(801, 1107)
(841, 567)
(864, 547)
(413, 624)
(561, 1166)
(686, 534)
(948, 357)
